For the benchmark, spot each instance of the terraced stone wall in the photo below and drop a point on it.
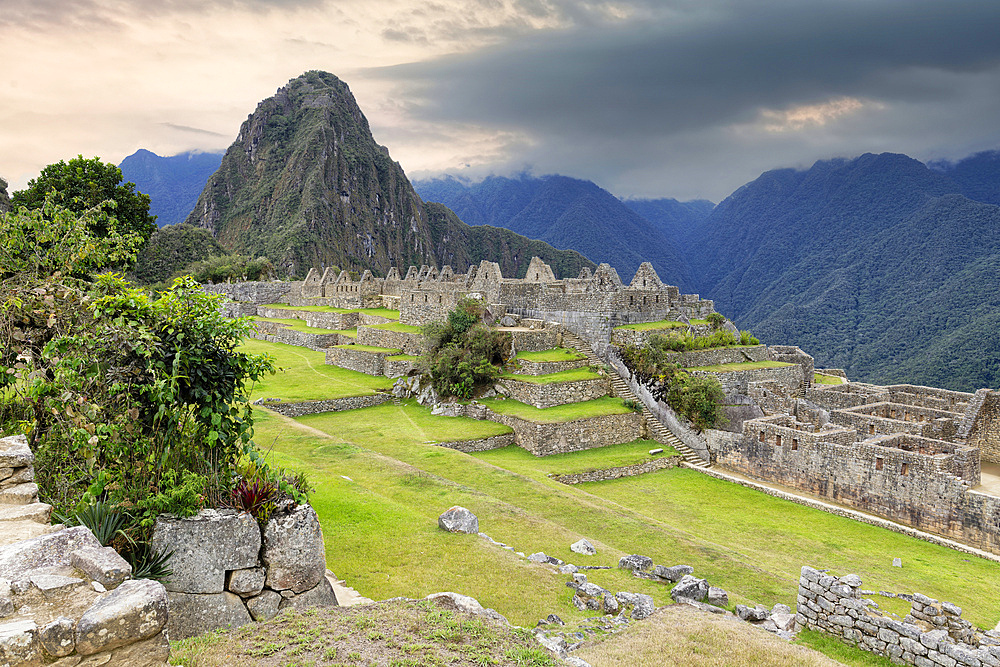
(256, 292)
(618, 472)
(276, 332)
(526, 367)
(556, 393)
(547, 439)
(370, 363)
(480, 445)
(331, 405)
(409, 343)
(788, 377)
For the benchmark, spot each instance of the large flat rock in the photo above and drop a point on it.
(136, 610)
(205, 546)
(50, 550)
(192, 614)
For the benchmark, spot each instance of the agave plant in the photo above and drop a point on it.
(103, 520)
(147, 563)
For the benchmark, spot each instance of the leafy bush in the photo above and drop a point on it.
(716, 320)
(229, 268)
(463, 352)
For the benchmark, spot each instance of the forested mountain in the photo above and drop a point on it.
(172, 183)
(978, 175)
(878, 265)
(681, 222)
(568, 213)
(305, 185)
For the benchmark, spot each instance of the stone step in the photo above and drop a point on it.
(37, 512)
(19, 494)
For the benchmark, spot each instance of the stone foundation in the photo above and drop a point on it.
(555, 393)
(618, 472)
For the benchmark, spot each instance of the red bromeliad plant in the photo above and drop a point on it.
(257, 496)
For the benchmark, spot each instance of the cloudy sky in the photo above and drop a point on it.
(680, 98)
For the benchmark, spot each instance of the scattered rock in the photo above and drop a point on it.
(568, 568)
(137, 609)
(635, 562)
(752, 614)
(466, 604)
(102, 564)
(717, 596)
(59, 637)
(538, 557)
(691, 588)
(52, 549)
(555, 620)
(584, 547)
(852, 580)
(507, 321)
(674, 574)
(783, 622)
(19, 642)
(702, 606)
(579, 578)
(780, 609)
(293, 551)
(459, 520)
(897, 562)
(642, 605)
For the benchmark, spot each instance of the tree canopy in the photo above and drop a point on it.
(83, 184)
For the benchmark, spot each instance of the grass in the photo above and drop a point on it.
(681, 635)
(569, 375)
(599, 407)
(380, 490)
(297, 325)
(396, 326)
(370, 348)
(838, 650)
(821, 378)
(741, 366)
(398, 633)
(654, 326)
(379, 312)
(555, 354)
(518, 460)
(305, 376)
(402, 357)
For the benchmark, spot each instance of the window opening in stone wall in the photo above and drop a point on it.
(795, 444)
(878, 464)
(871, 429)
(762, 436)
(777, 441)
(905, 469)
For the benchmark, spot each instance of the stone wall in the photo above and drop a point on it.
(788, 377)
(275, 332)
(255, 292)
(840, 396)
(889, 418)
(395, 368)
(409, 343)
(719, 355)
(933, 634)
(559, 438)
(981, 425)
(363, 361)
(534, 340)
(555, 393)
(330, 405)
(793, 355)
(620, 471)
(227, 571)
(526, 367)
(929, 397)
(480, 445)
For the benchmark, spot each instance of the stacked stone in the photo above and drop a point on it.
(227, 572)
(17, 474)
(932, 635)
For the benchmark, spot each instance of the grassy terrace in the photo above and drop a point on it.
(662, 324)
(304, 375)
(396, 326)
(608, 405)
(612, 456)
(370, 348)
(569, 375)
(402, 357)
(380, 491)
(742, 366)
(820, 378)
(555, 354)
(299, 325)
(380, 312)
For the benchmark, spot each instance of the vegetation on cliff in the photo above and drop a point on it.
(305, 185)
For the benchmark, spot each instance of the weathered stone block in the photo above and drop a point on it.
(136, 610)
(52, 549)
(205, 546)
(321, 595)
(459, 520)
(192, 613)
(635, 562)
(247, 582)
(19, 643)
(691, 588)
(674, 573)
(102, 564)
(642, 605)
(15, 452)
(718, 597)
(58, 638)
(584, 547)
(264, 606)
(294, 554)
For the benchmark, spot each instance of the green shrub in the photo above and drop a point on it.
(463, 352)
(716, 320)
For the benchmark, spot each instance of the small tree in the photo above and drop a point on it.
(463, 352)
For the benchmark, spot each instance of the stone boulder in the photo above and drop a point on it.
(635, 562)
(466, 604)
(136, 610)
(205, 546)
(752, 614)
(103, 565)
(192, 613)
(674, 574)
(641, 605)
(717, 596)
(583, 547)
(293, 551)
(459, 520)
(247, 582)
(264, 606)
(320, 595)
(691, 588)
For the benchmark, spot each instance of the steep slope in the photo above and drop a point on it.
(172, 183)
(681, 222)
(568, 213)
(977, 175)
(306, 185)
(878, 265)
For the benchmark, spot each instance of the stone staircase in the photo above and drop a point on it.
(621, 389)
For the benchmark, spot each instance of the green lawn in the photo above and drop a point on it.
(608, 405)
(369, 348)
(742, 366)
(625, 454)
(304, 375)
(569, 375)
(380, 312)
(820, 378)
(402, 357)
(654, 326)
(297, 325)
(396, 326)
(555, 354)
(380, 490)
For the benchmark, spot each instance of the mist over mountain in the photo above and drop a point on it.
(878, 265)
(173, 183)
(681, 222)
(305, 185)
(567, 213)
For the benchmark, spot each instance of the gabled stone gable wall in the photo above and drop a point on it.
(981, 425)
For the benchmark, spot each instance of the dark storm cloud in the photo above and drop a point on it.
(675, 72)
